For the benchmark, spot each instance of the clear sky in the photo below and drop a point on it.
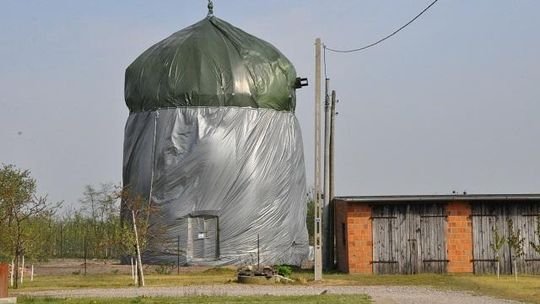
(450, 103)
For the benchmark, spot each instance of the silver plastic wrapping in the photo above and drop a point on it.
(222, 178)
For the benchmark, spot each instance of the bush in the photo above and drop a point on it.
(164, 269)
(284, 270)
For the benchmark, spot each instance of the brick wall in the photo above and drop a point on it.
(354, 237)
(459, 237)
(3, 280)
(360, 238)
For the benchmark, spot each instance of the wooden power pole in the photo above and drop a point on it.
(333, 114)
(328, 211)
(331, 187)
(327, 223)
(317, 181)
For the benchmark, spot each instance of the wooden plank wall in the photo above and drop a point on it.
(409, 238)
(433, 235)
(488, 217)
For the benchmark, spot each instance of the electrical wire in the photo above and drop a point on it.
(383, 39)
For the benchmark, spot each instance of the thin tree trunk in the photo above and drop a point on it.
(132, 269)
(136, 276)
(515, 269)
(138, 248)
(12, 274)
(22, 270)
(16, 272)
(17, 251)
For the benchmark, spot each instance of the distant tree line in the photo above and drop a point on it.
(38, 229)
(94, 230)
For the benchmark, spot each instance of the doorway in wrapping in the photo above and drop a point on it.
(202, 236)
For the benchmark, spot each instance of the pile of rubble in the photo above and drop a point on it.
(250, 274)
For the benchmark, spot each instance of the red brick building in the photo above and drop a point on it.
(435, 233)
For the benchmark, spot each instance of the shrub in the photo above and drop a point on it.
(284, 270)
(164, 269)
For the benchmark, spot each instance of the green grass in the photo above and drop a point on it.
(322, 299)
(525, 289)
(118, 281)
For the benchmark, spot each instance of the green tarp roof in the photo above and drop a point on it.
(210, 63)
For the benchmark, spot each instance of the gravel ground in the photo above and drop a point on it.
(380, 294)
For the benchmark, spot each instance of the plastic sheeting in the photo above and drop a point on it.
(212, 141)
(221, 177)
(211, 63)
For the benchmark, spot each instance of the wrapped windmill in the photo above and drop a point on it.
(213, 143)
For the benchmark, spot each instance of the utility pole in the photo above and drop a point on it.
(333, 114)
(331, 175)
(317, 181)
(328, 236)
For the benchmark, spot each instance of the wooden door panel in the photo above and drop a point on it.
(406, 241)
(491, 217)
(433, 223)
(384, 260)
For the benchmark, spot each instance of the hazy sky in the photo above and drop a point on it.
(450, 103)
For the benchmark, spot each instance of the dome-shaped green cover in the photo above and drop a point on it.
(210, 63)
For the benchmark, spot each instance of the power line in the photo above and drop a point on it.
(383, 39)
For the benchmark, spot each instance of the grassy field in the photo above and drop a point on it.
(57, 282)
(324, 299)
(526, 288)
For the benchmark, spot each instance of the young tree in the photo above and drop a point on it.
(136, 228)
(20, 206)
(496, 246)
(516, 243)
(535, 246)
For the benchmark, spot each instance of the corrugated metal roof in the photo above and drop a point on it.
(440, 198)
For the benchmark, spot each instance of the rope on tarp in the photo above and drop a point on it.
(210, 8)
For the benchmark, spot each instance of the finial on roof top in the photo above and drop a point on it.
(210, 8)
